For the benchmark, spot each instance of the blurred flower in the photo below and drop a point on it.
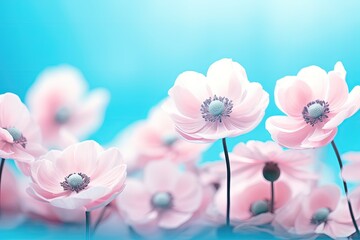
(156, 139)
(222, 104)
(320, 212)
(83, 176)
(270, 160)
(315, 103)
(166, 198)
(253, 201)
(57, 101)
(20, 137)
(350, 171)
(10, 212)
(39, 210)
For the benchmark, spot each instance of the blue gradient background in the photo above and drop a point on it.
(137, 48)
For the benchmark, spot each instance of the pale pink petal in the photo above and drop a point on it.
(317, 79)
(352, 156)
(322, 197)
(187, 193)
(350, 172)
(292, 95)
(135, 200)
(83, 159)
(195, 83)
(287, 131)
(338, 91)
(227, 79)
(161, 176)
(172, 219)
(339, 68)
(90, 113)
(351, 106)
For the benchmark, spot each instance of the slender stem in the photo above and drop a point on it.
(272, 197)
(88, 226)
(1, 170)
(345, 188)
(101, 217)
(228, 182)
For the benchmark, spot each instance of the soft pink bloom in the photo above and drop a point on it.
(20, 137)
(44, 211)
(350, 171)
(315, 103)
(222, 104)
(156, 139)
(60, 105)
(10, 202)
(10, 212)
(83, 176)
(322, 212)
(251, 202)
(166, 198)
(256, 158)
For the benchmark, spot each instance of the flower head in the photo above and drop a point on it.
(167, 198)
(222, 104)
(83, 176)
(60, 105)
(253, 201)
(271, 161)
(315, 103)
(156, 139)
(20, 137)
(322, 212)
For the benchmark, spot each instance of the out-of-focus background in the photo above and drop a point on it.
(136, 49)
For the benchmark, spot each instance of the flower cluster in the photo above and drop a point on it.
(148, 183)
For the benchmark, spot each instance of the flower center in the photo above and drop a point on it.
(321, 215)
(75, 182)
(315, 112)
(162, 200)
(271, 171)
(62, 115)
(17, 136)
(170, 139)
(259, 207)
(215, 108)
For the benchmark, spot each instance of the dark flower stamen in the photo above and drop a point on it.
(75, 182)
(17, 136)
(215, 108)
(315, 111)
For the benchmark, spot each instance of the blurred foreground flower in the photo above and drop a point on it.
(83, 176)
(59, 103)
(166, 198)
(156, 139)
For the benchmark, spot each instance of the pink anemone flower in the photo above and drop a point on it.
(324, 212)
(315, 103)
(83, 176)
(59, 103)
(10, 211)
(166, 198)
(251, 203)
(269, 159)
(350, 171)
(156, 139)
(222, 104)
(20, 137)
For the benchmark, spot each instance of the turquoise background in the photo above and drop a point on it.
(137, 48)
